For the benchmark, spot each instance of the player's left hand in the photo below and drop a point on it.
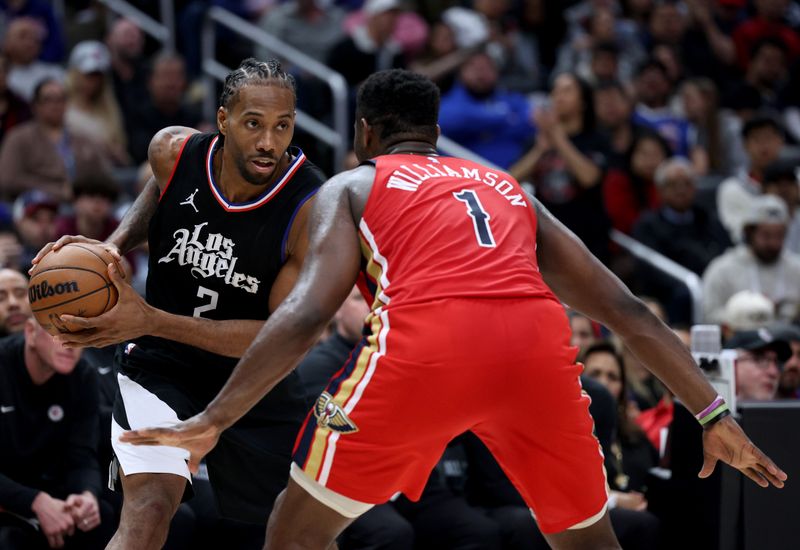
(84, 510)
(726, 441)
(128, 319)
(198, 435)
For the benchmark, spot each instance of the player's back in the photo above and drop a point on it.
(441, 227)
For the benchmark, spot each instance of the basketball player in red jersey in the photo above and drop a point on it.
(465, 275)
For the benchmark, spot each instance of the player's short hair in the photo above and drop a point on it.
(253, 71)
(399, 102)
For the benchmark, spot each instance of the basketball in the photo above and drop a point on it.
(72, 280)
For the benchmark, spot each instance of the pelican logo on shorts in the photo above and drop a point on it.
(330, 415)
(44, 290)
(55, 413)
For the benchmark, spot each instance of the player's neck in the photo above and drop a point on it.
(410, 148)
(233, 186)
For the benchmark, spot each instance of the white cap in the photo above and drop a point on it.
(469, 27)
(90, 56)
(748, 310)
(766, 209)
(374, 7)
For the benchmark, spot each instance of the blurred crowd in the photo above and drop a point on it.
(676, 122)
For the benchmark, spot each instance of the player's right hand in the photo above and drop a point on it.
(66, 239)
(726, 441)
(198, 435)
(54, 519)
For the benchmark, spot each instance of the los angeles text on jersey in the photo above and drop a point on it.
(410, 177)
(211, 256)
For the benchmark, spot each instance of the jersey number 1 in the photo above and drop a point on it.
(202, 292)
(480, 217)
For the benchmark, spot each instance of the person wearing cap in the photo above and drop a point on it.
(34, 220)
(764, 139)
(759, 264)
(42, 154)
(789, 382)
(781, 180)
(746, 310)
(93, 110)
(759, 356)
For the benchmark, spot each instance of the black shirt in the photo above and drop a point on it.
(48, 433)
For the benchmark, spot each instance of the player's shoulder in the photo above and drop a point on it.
(165, 147)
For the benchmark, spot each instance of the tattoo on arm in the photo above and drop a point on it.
(132, 230)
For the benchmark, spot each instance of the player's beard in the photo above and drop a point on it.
(251, 178)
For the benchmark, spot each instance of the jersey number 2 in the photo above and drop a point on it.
(201, 293)
(480, 217)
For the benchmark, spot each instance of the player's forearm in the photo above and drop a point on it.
(229, 338)
(132, 230)
(277, 348)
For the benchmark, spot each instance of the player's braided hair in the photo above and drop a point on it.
(400, 102)
(253, 71)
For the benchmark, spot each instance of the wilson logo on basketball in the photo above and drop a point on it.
(44, 290)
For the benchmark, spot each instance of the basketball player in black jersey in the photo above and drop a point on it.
(227, 215)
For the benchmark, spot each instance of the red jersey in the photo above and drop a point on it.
(439, 227)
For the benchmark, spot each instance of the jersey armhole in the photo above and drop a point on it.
(174, 167)
(285, 240)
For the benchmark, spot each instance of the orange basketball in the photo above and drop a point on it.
(72, 280)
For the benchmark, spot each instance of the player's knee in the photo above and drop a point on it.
(152, 512)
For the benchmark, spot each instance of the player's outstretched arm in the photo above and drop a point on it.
(582, 282)
(327, 276)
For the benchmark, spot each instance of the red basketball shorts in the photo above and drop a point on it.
(502, 368)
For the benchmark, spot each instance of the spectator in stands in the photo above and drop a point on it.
(22, 45)
(629, 191)
(680, 229)
(746, 310)
(584, 332)
(759, 356)
(789, 381)
(443, 56)
(14, 306)
(760, 264)
(439, 519)
(308, 25)
(568, 162)
(41, 153)
(165, 105)
(93, 201)
(43, 12)
(653, 91)
(603, 34)
(763, 141)
(781, 179)
(13, 109)
(632, 455)
(125, 42)
(768, 21)
(92, 108)
(766, 73)
(709, 48)
(34, 219)
(10, 246)
(614, 109)
(718, 131)
(48, 467)
(370, 47)
(484, 118)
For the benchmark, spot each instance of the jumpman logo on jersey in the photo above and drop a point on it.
(190, 200)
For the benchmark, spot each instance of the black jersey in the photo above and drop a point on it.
(216, 259)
